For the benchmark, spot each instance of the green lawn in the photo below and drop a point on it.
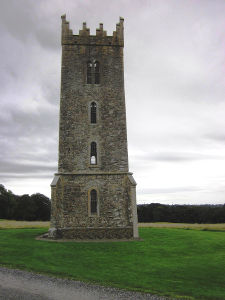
(173, 262)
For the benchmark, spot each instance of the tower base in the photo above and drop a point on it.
(115, 215)
(91, 233)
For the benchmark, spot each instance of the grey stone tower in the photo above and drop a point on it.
(93, 193)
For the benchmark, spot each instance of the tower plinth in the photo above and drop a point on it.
(93, 193)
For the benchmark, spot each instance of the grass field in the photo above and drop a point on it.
(173, 262)
(39, 224)
(22, 224)
(216, 227)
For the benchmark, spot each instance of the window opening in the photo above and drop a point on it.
(97, 72)
(93, 112)
(89, 68)
(93, 153)
(93, 201)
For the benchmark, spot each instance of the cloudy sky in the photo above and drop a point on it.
(175, 93)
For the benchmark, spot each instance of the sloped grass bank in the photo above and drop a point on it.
(173, 262)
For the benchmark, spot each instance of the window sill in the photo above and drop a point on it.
(94, 215)
(93, 166)
(93, 84)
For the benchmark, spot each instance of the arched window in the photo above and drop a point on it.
(93, 72)
(97, 72)
(89, 68)
(94, 202)
(93, 158)
(93, 113)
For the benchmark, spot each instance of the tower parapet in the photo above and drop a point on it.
(84, 37)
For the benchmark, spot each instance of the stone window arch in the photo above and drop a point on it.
(93, 154)
(93, 113)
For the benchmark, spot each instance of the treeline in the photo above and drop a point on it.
(24, 208)
(156, 212)
(37, 208)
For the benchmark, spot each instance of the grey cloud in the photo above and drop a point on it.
(175, 157)
(216, 136)
(29, 137)
(44, 121)
(173, 76)
(12, 176)
(170, 190)
(26, 167)
(182, 157)
(24, 20)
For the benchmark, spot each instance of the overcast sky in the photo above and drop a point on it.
(174, 83)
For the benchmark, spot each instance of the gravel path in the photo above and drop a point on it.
(22, 285)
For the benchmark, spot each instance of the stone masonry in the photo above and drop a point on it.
(93, 193)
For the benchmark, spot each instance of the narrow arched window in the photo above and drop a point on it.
(94, 201)
(93, 113)
(93, 158)
(97, 72)
(89, 68)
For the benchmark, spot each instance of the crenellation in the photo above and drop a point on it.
(66, 31)
(100, 32)
(84, 31)
(84, 37)
(118, 34)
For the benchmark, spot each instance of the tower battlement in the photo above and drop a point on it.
(84, 37)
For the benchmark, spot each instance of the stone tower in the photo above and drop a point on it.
(93, 193)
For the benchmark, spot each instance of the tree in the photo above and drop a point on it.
(43, 206)
(25, 207)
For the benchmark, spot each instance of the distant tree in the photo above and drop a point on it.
(25, 207)
(43, 206)
(7, 202)
(156, 212)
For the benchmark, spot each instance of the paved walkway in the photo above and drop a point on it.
(22, 285)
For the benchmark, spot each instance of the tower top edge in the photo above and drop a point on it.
(84, 34)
